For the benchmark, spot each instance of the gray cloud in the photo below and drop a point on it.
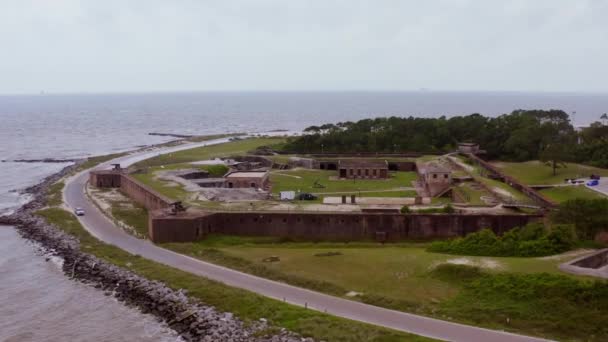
(154, 45)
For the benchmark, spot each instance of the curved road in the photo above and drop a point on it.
(101, 227)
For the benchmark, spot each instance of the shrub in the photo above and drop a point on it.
(589, 216)
(546, 303)
(448, 209)
(528, 241)
(405, 210)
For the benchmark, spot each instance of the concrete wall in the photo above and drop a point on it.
(327, 226)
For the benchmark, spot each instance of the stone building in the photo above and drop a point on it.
(436, 178)
(106, 178)
(247, 179)
(465, 147)
(363, 169)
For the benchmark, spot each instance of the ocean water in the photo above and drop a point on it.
(37, 303)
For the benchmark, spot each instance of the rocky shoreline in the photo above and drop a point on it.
(191, 319)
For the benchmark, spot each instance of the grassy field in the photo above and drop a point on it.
(303, 180)
(472, 194)
(537, 173)
(403, 276)
(505, 190)
(132, 214)
(209, 152)
(172, 190)
(563, 193)
(245, 305)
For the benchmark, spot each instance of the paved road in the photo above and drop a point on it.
(602, 187)
(102, 228)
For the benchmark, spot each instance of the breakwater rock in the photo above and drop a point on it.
(45, 160)
(181, 136)
(193, 320)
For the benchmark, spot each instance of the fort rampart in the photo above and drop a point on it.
(195, 225)
(130, 186)
(514, 183)
(192, 226)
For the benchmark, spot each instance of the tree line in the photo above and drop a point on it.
(519, 136)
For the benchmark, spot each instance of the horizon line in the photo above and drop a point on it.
(421, 91)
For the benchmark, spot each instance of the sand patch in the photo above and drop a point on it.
(487, 263)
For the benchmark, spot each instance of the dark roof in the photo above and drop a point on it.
(362, 163)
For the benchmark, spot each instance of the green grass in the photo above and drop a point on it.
(400, 271)
(537, 173)
(94, 161)
(132, 214)
(209, 152)
(540, 304)
(171, 190)
(563, 193)
(404, 277)
(54, 194)
(472, 196)
(303, 180)
(503, 189)
(244, 304)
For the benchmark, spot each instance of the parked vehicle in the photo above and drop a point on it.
(306, 197)
(593, 182)
(79, 211)
(594, 176)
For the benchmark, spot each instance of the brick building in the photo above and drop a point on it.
(364, 169)
(247, 179)
(437, 179)
(105, 178)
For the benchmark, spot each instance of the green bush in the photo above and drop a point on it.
(405, 209)
(589, 216)
(448, 209)
(528, 241)
(558, 305)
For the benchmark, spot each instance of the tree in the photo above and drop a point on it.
(555, 155)
(604, 118)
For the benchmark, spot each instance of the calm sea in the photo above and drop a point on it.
(38, 304)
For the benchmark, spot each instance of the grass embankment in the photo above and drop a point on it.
(209, 152)
(537, 173)
(542, 304)
(503, 190)
(404, 279)
(132, 214)
(54, 194)
(246, 305)
(563, 193)
(304, 179)
(472, 193)
(94, 161)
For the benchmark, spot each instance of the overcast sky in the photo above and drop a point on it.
(173, 45)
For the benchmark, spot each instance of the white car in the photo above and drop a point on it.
(79, 212)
